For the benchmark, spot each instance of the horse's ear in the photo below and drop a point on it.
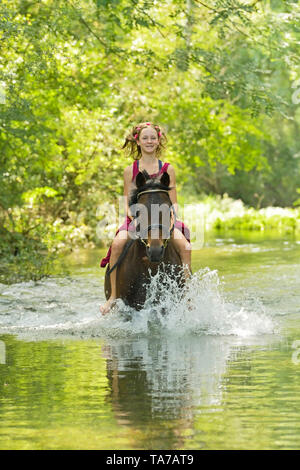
(165, 179)
(140, 180)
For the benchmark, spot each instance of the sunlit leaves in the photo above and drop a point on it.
(78, 74)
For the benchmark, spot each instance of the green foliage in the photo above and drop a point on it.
(23, 258)
(284, 221)
(75, 75)
(258, 222)
(297, 202)
(227, 214)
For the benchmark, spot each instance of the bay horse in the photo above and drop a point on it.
(151, 247)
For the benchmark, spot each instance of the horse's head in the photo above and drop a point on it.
(152, 208)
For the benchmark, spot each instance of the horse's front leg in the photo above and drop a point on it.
(111, 287)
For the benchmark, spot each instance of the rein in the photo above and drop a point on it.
(122, 255)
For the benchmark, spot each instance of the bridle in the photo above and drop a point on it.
(160, 226)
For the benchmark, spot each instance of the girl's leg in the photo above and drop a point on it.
(184, 248)
(116, 249)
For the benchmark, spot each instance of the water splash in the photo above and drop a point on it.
(200, 308)
(70, 306)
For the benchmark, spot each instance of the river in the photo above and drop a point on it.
(219, 371)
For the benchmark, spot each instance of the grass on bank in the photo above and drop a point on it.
(224, 213)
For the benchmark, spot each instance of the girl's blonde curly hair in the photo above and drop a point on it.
(132, 137)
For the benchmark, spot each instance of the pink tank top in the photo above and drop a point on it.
(162, 169)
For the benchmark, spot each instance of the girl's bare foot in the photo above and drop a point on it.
(104, 309)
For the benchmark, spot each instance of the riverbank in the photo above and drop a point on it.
(223, 214)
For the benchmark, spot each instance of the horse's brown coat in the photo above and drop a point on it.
(134, 273)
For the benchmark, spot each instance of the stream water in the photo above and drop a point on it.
(220, 370)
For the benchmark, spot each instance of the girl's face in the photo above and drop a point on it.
(148, 140)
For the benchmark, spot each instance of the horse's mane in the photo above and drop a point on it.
(151, 183)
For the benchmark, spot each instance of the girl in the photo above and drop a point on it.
(146, 141)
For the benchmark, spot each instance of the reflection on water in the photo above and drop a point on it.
(149, 393)
(215, 373)
(170, 375)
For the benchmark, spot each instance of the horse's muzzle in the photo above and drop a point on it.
(155, 253)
